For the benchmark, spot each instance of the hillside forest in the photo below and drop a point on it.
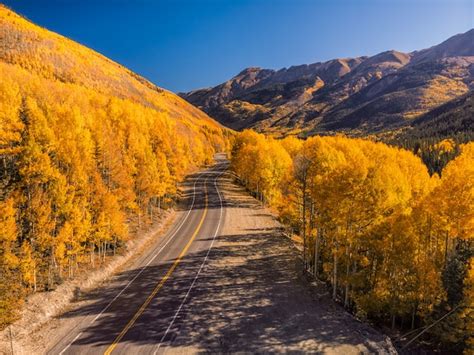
(393, 243)
(80, 171)
(90, 154)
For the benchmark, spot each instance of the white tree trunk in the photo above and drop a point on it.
(334, 284)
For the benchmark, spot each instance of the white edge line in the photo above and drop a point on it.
(200, 268)
(67, 347)
(143, 267)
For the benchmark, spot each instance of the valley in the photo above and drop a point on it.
(320, 208)
(224, 278)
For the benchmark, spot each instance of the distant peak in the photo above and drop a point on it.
(250, 70)
(390, 56)
(456, 41)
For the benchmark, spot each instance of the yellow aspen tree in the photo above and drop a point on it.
(28, 266)
(8, 233)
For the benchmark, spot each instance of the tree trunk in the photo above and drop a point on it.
(348, 266)
(413, 315)
(311, 231)
(346, 295)
(150, 209)
(334, 285)
(50, 278)
(316, 252)
(374, 272)
(304, 222)
(92, 254)
(446, 249)
(34, 279)
(105, 251)
(429, 234)
(99, 252)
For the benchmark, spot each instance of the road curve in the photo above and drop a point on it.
(135, 313)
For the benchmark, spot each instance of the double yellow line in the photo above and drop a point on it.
(162, 281)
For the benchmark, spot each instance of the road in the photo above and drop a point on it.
(222, 279)
(133, 314)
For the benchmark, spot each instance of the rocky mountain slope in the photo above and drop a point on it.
(360, 95)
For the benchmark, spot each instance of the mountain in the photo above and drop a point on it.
(357, 95)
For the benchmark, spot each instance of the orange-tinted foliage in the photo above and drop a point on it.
(374, 223)
(89, 152)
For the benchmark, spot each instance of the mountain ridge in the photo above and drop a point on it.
(358, 95)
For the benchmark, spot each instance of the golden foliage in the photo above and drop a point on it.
(89, 152)
(435, 92)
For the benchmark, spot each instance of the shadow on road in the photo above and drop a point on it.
(250, 297)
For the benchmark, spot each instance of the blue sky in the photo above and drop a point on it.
(187, 44)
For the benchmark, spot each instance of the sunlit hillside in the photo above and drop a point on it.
(90, 152)
(52, 56)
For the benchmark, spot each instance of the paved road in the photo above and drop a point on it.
(222, 280)
(135, 313)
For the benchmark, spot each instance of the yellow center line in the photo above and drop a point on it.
(162, 282)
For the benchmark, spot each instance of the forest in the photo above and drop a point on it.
(392, 242)
(91, 154)
(82, 170)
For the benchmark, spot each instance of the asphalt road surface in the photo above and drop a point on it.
(136, 312)
(221, 280)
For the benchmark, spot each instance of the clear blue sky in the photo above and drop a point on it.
(187, 44)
